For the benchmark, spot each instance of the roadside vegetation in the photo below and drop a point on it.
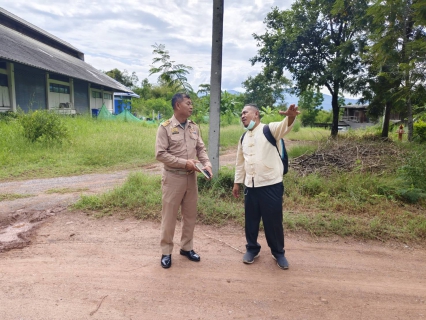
(357, 184)
(385, 205)
(92, 145)
(379, 194)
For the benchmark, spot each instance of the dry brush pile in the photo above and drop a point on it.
(369, 154)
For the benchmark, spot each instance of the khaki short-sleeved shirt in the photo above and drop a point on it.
(176, 144)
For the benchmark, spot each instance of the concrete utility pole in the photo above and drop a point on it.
(216, 84)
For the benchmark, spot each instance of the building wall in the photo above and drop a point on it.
(30, 86)
(99, 97)
(36, 89)
(81, 96)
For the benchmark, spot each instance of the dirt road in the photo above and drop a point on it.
(75, 266)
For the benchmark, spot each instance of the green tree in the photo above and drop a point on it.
(203, 89)
(310, 105)
(318, 42)
(324, 116)
(264, 91)
(145, 90)
(171, 74)
(399, 48)
(378, 86)
(130, 81)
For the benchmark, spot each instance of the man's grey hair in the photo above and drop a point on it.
(253, 105)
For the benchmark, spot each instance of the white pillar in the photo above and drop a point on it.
(72, 93)
(47, 91)
(11, 84)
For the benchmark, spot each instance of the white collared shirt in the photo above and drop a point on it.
(258, 162)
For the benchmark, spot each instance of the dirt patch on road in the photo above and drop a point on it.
(79, 267)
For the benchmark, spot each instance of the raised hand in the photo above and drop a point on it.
(292, 111)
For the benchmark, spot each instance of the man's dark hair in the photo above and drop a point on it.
(178, 97)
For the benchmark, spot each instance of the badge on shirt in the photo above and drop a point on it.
(175, 130)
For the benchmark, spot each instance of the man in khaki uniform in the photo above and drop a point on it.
(178, 145)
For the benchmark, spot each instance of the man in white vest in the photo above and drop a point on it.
(260, 169)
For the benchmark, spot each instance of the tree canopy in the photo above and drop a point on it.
(171, 74)
(398, 51)
(318, 42)
(130, 81)
(264, 91)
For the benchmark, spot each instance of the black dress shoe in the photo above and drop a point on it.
(166, 261)
(191, 255)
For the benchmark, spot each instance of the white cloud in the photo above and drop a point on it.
(120, 34)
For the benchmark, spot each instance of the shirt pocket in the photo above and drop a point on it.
(176, 140)
(193, 138)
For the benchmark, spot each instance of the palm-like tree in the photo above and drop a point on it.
(171, 74)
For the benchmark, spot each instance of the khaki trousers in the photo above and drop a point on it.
(178, 191)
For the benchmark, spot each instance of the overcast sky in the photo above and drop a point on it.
(120, 33)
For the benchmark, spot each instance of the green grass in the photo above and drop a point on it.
(386, 205)
(94, 146)
(346, 206)
(65, 190)
(97, 146)
(140, 196)
(13, 196)
(308, 134)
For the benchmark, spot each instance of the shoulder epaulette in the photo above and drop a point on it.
(166, 123)
(190, 121)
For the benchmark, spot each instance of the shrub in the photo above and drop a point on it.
(420, 131)
(411, 195)
(296, 126)
(42, 125)
(311, 185)
(8, 116)
(221, 186)
(413, 172)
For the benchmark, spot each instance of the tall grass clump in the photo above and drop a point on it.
(140, 195)
(216, 205)
(413, 175)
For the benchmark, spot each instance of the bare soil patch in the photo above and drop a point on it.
(74, 266)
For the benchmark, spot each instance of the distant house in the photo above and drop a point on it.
(355, 116)
(41, 71)
(355, 113)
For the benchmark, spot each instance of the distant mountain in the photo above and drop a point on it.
(233, 92)
(326, 104)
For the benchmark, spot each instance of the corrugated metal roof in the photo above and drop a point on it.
(20, 48)
(37, 29)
